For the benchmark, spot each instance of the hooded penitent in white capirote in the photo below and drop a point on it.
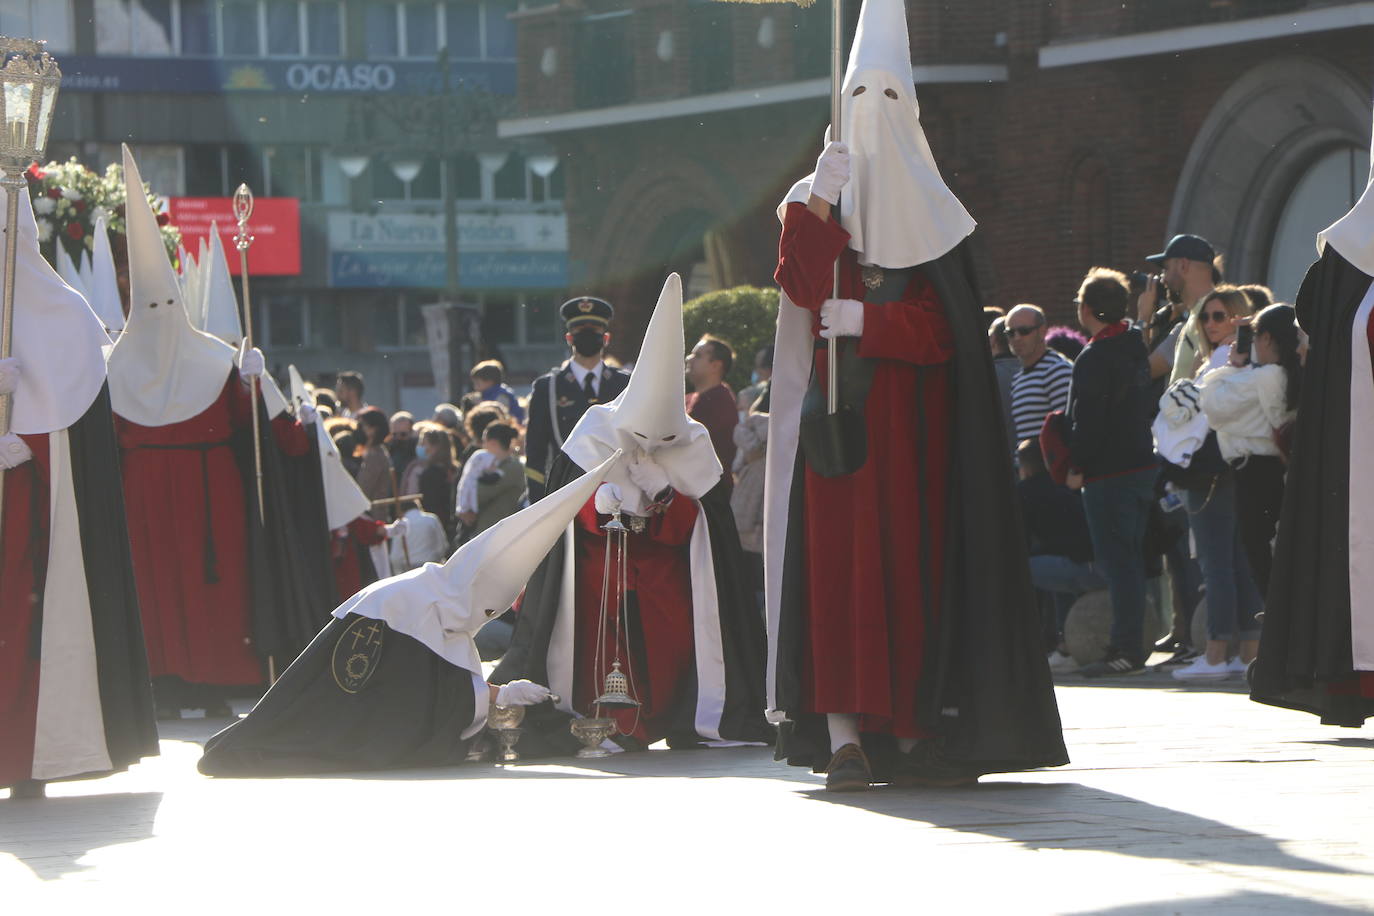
(57, 339)
(442, 606)
(193, 285)
(1353, 234)
(162, 370)
(103, 289)
(896, 207)
(344, 500)
(67, 270)
(650, 415)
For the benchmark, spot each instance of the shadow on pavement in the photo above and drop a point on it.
(1362, 743)
(1074, 816)
(1245, 902)
(49, 835)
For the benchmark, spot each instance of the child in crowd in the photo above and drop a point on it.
(488, 382)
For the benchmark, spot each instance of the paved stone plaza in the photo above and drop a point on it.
(1177, 801)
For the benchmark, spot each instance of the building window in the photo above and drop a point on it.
(199, 28)
(228, 28)
(1324, 192)
(383, 30)
(323, 29)
(325, 327)
(512, 181)
(421, 29)
(286, 320)
(48, 19)
(604, 62)
(470, 29)
(239, 28)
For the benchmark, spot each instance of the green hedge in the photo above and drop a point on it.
(745, 317)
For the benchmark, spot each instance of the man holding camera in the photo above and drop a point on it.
(1172, 331)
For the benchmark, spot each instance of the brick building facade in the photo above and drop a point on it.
(1079, 132)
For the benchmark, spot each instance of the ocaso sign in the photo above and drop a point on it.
(336, 77)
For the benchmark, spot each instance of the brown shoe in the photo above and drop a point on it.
(925, 765)
(848, 771)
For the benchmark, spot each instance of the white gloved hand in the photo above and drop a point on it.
(842, 318)
(307, 414)
(13, 451)
(397, 529)
(832, 172)
(9, 375)
(521, 693)
(250, 362)
(646, 474)
(608, 499)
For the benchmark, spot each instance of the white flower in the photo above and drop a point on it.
(100, 213)
(44, 230)
(71, 193)
(44, 205)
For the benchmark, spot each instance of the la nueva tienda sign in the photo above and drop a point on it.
(496, 250)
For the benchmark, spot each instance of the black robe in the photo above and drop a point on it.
(1305, 646)
(986, 688)
(354, 700)
(293, 574)
(742, 636)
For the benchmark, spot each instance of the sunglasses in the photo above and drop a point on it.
(1218, 317)
(1021, 332)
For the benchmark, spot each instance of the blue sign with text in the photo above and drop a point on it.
(424, 269)
(214, 75)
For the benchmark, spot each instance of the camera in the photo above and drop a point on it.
(1140, 278)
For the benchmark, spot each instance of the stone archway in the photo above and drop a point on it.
(1259, 139)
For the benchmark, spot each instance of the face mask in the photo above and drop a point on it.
(587, 343)
(421, 451)
(754, 377)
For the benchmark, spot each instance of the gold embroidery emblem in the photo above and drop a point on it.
(357, 654)
(585, 305)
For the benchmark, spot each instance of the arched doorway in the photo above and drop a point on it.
(1252, 158)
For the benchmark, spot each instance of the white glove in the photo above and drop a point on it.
(13, 451)
(647, 475)
(842, 318)
(608, 499)
(9, 375)
(521, 693)
(307, 414)
(251, 362)
(397, 529)
(832, 172)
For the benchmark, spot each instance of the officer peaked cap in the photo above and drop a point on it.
(587, 310)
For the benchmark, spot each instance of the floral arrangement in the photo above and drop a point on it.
(68, 198)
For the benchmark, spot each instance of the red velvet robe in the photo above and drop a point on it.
(659, 575)
(23, 557)
(866, 600)
(361, 533)
(192, 571)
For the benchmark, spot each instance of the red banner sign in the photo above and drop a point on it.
(275, 226)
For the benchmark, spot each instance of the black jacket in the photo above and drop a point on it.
(1056, 525)
(1109, 407)
(544, 434)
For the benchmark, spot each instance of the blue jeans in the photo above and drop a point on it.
(1117, 509)
(1065, 580)
(1233, 599)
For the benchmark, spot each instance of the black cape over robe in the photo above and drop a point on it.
(292, 573)
(986, 688)
(742, 636)
(1306, 642)
(410, 712)
(126, 699)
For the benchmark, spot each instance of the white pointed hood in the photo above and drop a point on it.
(650, 415)
(217, 293)
(344, 500)
(299, 393)
(193, 285)
(1353, 234)
(103, 290)
(896, 207)
(67, 270)
(162, 370)
(57, 339)
(84, 270)
(442, 606)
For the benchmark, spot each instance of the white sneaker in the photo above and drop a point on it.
(1061, 662)
(1236, 667)
(1200, 670)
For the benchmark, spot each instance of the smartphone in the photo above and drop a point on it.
(1245, 338)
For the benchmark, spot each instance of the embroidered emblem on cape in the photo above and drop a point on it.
(357, 654)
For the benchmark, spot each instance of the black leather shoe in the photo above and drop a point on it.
(848, 771)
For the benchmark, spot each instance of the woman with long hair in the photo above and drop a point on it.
(374, 471)
(1219, 318)
(439, 478)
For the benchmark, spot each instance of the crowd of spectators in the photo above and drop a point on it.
(1151, 452)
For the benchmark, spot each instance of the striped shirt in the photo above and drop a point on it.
(1038, 390)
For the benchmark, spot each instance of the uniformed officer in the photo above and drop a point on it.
(562, 395)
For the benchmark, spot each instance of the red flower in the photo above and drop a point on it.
(36, 173)
(54, 193)
(75, 231)
(163, 219)
(80, 206)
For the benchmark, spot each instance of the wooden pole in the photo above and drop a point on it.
(832, 350)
